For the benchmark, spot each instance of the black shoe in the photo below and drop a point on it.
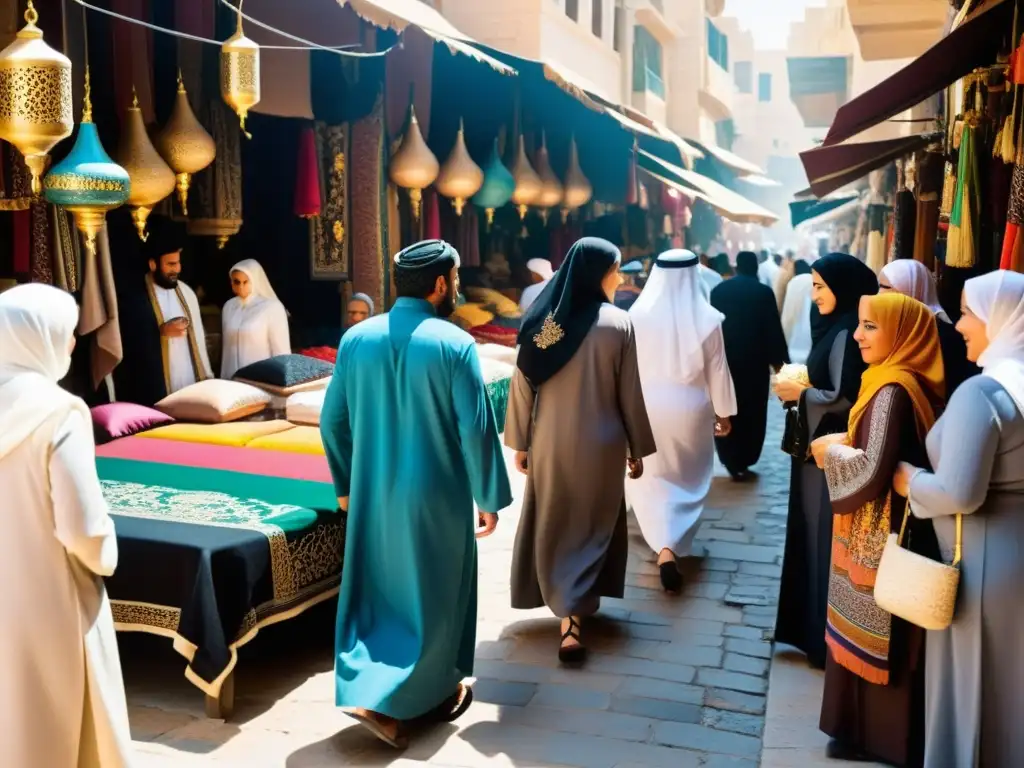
(671, 578)
(738, 475)
(572, 654)
(838, 750)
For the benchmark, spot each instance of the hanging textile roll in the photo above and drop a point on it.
(964, 225)
(904, 225)
(877, 213)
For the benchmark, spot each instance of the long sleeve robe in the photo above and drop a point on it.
(62, 700)
(975, 669)
(578, 428)
(252, 331)
(411, 439)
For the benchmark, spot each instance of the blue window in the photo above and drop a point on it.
(718, 46)
(647, 63)
(764, 86)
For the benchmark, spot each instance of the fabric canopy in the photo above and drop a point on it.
(829, 168)
(801, 211)
(732, 161)
(730, 205)
(970, 45)
(398, 14)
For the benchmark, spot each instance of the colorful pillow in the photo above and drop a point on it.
(327, 354)
(304, 407)
(285, 374)
(295, 440)
(493, 300)
(236, 434)
(109, 422)
(214, 401)
(470, 315)
(495, 334)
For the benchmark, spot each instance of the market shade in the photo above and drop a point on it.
(730, 205)
(972, 44)
(734, 162)
(398, 14)
(829, 168)
(801, 211)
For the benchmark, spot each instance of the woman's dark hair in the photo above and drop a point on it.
(420, 283)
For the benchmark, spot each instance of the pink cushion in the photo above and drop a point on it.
(123, 419)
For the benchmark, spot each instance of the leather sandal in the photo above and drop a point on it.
(573, 654)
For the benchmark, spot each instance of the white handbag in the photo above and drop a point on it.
(916, 588)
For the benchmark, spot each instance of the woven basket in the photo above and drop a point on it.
(916, 588)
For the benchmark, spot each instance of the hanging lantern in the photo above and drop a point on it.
(577, 187)
(35, 96)
(414, 166)
(151, 178)
(184, 144)
(528, 183)
(240, 73)
(498, 186)
(550, 187)
(460, 178)
(87, 182)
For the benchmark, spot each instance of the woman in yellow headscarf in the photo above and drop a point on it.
(873, 705)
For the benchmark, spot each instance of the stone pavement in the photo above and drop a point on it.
(672, 682)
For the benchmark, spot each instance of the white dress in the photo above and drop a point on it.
(530, 294)
(669, 499)
(62, 700)
(796, 318)
(253, 330)
(179, 357)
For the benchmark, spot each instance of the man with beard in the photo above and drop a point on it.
(411, 441)
(161, 325)
(754, 342)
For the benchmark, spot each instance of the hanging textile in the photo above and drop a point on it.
(432, 217)
(67, 254)
(367, 168)
(930, 171)
(904, 225)
(467, 236)
(876, 236)
(133, 50)
(329, 252)
(99, 315)
(307, 176)
(962, 246)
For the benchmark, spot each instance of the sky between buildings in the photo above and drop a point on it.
(769, 20)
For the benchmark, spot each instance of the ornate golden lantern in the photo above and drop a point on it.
(460, 178)
(240, 73)
(550, 187)
(184, 144)
(528, 183)
(577, 187)
(413, 166)
(35, 96)
(87, 182)
(151, 178)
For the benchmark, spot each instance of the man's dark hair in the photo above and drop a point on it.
(419, 283)
(746, 263)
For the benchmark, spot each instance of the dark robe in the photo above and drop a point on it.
(754, 343)
(955, 364)
(140, 376)
(885, 722)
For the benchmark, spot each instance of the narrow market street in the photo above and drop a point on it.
(673, 682)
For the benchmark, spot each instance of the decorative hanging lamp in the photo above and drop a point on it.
(35, 97)
(550, 187)
(527, 182)
(151, 178)
(460, 178)
(87, 182)
(413, 166)
(240, 73)
(577, 187)
(184, 144)
(498, 186)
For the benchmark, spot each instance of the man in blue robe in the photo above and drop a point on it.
(411, 441)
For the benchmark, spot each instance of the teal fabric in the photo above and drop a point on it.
(411, 439)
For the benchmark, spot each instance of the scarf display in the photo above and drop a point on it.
(193, 346)
(914, 364)
(963, 240)
(560, 319)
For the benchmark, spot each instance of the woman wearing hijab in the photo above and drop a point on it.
(872, 706)
(576, 420)
(915, 280)
(690, 397)
(796, 313)
(254, 322)
(975, 669)
(62, 696)
(834, 367)
(360, 307)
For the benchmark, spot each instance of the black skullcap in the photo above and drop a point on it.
(426, 253)
(165, 236)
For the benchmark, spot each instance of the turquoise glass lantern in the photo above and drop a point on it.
(87, 182)
(497, 188)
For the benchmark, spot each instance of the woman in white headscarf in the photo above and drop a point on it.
(62, 698)
(975, 670)
(796, 313)
(914, 279)
(254, 322)
(689, 395)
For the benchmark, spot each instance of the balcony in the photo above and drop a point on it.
(651, 13)
(718, 91)
(896, 29)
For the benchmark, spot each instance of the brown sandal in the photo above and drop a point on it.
(574, 654)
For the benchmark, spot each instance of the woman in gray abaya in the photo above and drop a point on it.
(576, 419)
(974, 689)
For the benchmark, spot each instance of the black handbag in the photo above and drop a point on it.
(794, 436)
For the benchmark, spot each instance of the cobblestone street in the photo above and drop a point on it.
(672, 682)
